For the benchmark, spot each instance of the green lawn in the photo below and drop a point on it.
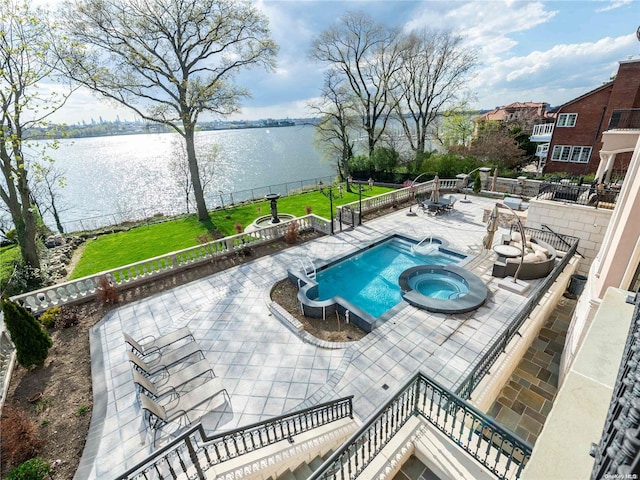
(122, 248)
(8, 257)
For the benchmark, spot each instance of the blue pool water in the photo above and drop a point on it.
(369, 279)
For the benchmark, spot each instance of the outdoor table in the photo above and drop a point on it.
(507, 251)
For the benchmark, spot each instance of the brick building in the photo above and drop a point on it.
(573, 143)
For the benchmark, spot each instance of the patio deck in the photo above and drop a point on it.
(266, 367)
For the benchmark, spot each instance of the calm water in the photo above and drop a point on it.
(114, 178)
(369, 280)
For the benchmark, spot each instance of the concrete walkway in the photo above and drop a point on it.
(267, 368)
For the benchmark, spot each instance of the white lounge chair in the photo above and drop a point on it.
(157, 343)
(172, 382)
(180, 407)
(163, 361)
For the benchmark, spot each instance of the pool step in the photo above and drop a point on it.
(401, 247)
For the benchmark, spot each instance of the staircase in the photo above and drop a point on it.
(304, 471)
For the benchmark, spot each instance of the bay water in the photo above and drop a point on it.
(116, 178)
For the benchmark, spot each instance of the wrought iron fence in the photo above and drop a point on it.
(579, 194)
(490, 444)
(500, 345)
(193, 452)
(618, 453)
(625, 119)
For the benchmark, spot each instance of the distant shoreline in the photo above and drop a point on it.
(92, 131)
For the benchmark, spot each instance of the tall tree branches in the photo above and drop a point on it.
(167, 60)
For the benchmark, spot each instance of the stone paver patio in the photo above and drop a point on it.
(267, 368)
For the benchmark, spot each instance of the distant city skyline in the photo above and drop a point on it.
(542, 51)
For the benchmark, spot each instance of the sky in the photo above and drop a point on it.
(542, 51)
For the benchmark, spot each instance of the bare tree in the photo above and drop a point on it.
(436, 68)
(338, 119)
(179, 166)
(25, 63)
(47, 181)
(167, 60)
(367, 55)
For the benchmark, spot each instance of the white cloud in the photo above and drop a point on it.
(555, 75)
(486, 25)
(613, 5)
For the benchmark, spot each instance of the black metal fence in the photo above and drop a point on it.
(193, 452)
(490, 444)
(590, 195)
(625, 119)
(500, 345)
(618, 454)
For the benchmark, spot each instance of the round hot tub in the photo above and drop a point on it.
(443, 289)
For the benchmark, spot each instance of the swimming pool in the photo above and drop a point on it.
(369, 279)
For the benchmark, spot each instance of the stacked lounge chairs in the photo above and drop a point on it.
(173, 379)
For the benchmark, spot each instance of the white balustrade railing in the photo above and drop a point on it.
(85, 288)
(401, 195)
(543, 129)
(7, 361)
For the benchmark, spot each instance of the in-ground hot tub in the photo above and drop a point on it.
(442, 288)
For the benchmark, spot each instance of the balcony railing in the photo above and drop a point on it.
(499, 346)
(542, 150)
(625, 119)
(543, 130)
(618, 453)
(193, 453)
(591, 195)
(486, 441)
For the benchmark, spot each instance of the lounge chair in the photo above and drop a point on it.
(162, 362)
(157, 343)
(172, 382)
(175, 407)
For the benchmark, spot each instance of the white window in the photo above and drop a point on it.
(580, 154)
(569, 153)
(561, 153)
(567, 120)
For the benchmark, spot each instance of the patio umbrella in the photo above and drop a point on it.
(494, 181)
(492, 226)
(435, 193)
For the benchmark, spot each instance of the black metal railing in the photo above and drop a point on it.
(625, 119)
(590, 195)
(483, 367)
(618, 453)
(486, 441)
(193, 452)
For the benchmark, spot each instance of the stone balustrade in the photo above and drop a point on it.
(83, 289)
(7, 360)
(371, 204)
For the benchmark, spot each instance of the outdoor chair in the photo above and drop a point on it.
(178, 407)
(452, 201)
(157, 343)
(170, 384)
(165, 360)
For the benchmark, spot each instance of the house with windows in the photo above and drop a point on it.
(525, 114)
(572, 144)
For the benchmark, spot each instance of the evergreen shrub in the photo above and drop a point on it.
(32, 342)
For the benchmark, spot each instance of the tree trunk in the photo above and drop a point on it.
(28, 244)
(198, 194)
